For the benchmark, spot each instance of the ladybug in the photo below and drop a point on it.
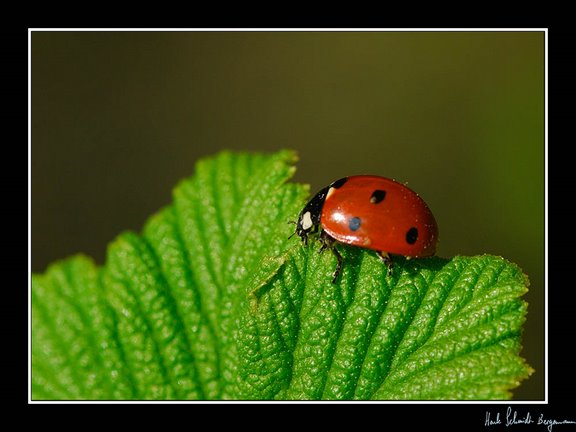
(370, 212)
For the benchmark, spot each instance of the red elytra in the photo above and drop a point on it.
(370, 212)
(380, 214)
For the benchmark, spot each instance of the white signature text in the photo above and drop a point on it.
(513, 418)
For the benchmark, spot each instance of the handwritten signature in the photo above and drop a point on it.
(514, 418)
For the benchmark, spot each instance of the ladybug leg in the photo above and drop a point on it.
(338, 265)
(328, 243)
(326, 240)
(385, 258)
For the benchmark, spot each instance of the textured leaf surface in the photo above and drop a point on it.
(212, 301)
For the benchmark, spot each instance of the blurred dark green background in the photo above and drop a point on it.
(118, 118)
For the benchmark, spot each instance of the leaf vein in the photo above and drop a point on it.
(177, 315)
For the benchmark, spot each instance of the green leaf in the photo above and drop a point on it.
(213, 301)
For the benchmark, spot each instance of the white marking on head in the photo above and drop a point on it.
(330, 192)
(306, 221)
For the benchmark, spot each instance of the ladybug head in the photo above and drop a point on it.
(309, 218)
(305, 226)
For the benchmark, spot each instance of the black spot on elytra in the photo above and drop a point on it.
(339, 183)
(354, 223)
(412, 235)
(378, 196)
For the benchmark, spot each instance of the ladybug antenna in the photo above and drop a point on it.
(295, 223)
